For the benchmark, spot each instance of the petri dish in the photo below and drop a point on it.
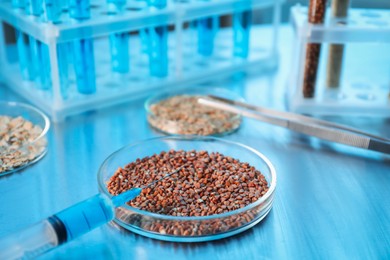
(176, 112)
(32, 149)
(183, 228)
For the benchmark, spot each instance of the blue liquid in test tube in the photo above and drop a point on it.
(159, 4)
(34, 66)
(22, 47)
(40, 60)
(207, 29)
(158, 51)
(158, 45)
(241, 31)
(144, 40)
(34, 7)
(84, 65)
(65, 5)
(63, 50)
(119, 47)
(84, 62)
(79, 9)
(18, 4)
(54, 11)
(44, 71)
(22, 54)
(119, 42)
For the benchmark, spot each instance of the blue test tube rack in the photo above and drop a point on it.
(93, 56)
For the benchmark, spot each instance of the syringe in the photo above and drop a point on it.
(67, 224)
(63, 226)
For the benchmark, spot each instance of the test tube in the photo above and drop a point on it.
(119, 42)
(40, 60)
(83, 53)
(35, 62)
(63, 50)
(158, 51)
(21, 45)
(22, 54)
(158, 45)
(44, 71)
(336, 51)
(143, 33)
(54, 12)
(34, 7)
(241, 31)
(119, 47)
(205, 36)
(316, 15)
(65, 5)
(207, 29)
(63, 226)
(19, 4)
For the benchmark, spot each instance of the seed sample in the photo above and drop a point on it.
(336, 51)
(316, 13)
(19, 142)
(183, 114)
(208, 184)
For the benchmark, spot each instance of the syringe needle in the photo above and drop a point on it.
(128, 195)
(166, 176)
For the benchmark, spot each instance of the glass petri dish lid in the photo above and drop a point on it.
(23, 141)
(177, 112)
(190, 228)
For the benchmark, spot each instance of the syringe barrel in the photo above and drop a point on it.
(57, 229)
(30, 242)
(86, 215)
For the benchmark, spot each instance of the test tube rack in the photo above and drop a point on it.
(61, 97)
(363, 92)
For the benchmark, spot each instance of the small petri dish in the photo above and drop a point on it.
(177, 112)
(190, 228)
(22, 141)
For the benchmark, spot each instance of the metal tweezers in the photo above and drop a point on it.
(307, 125)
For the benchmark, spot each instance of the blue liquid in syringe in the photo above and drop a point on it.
(64, 226)
(93, 212)
(67, 224)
